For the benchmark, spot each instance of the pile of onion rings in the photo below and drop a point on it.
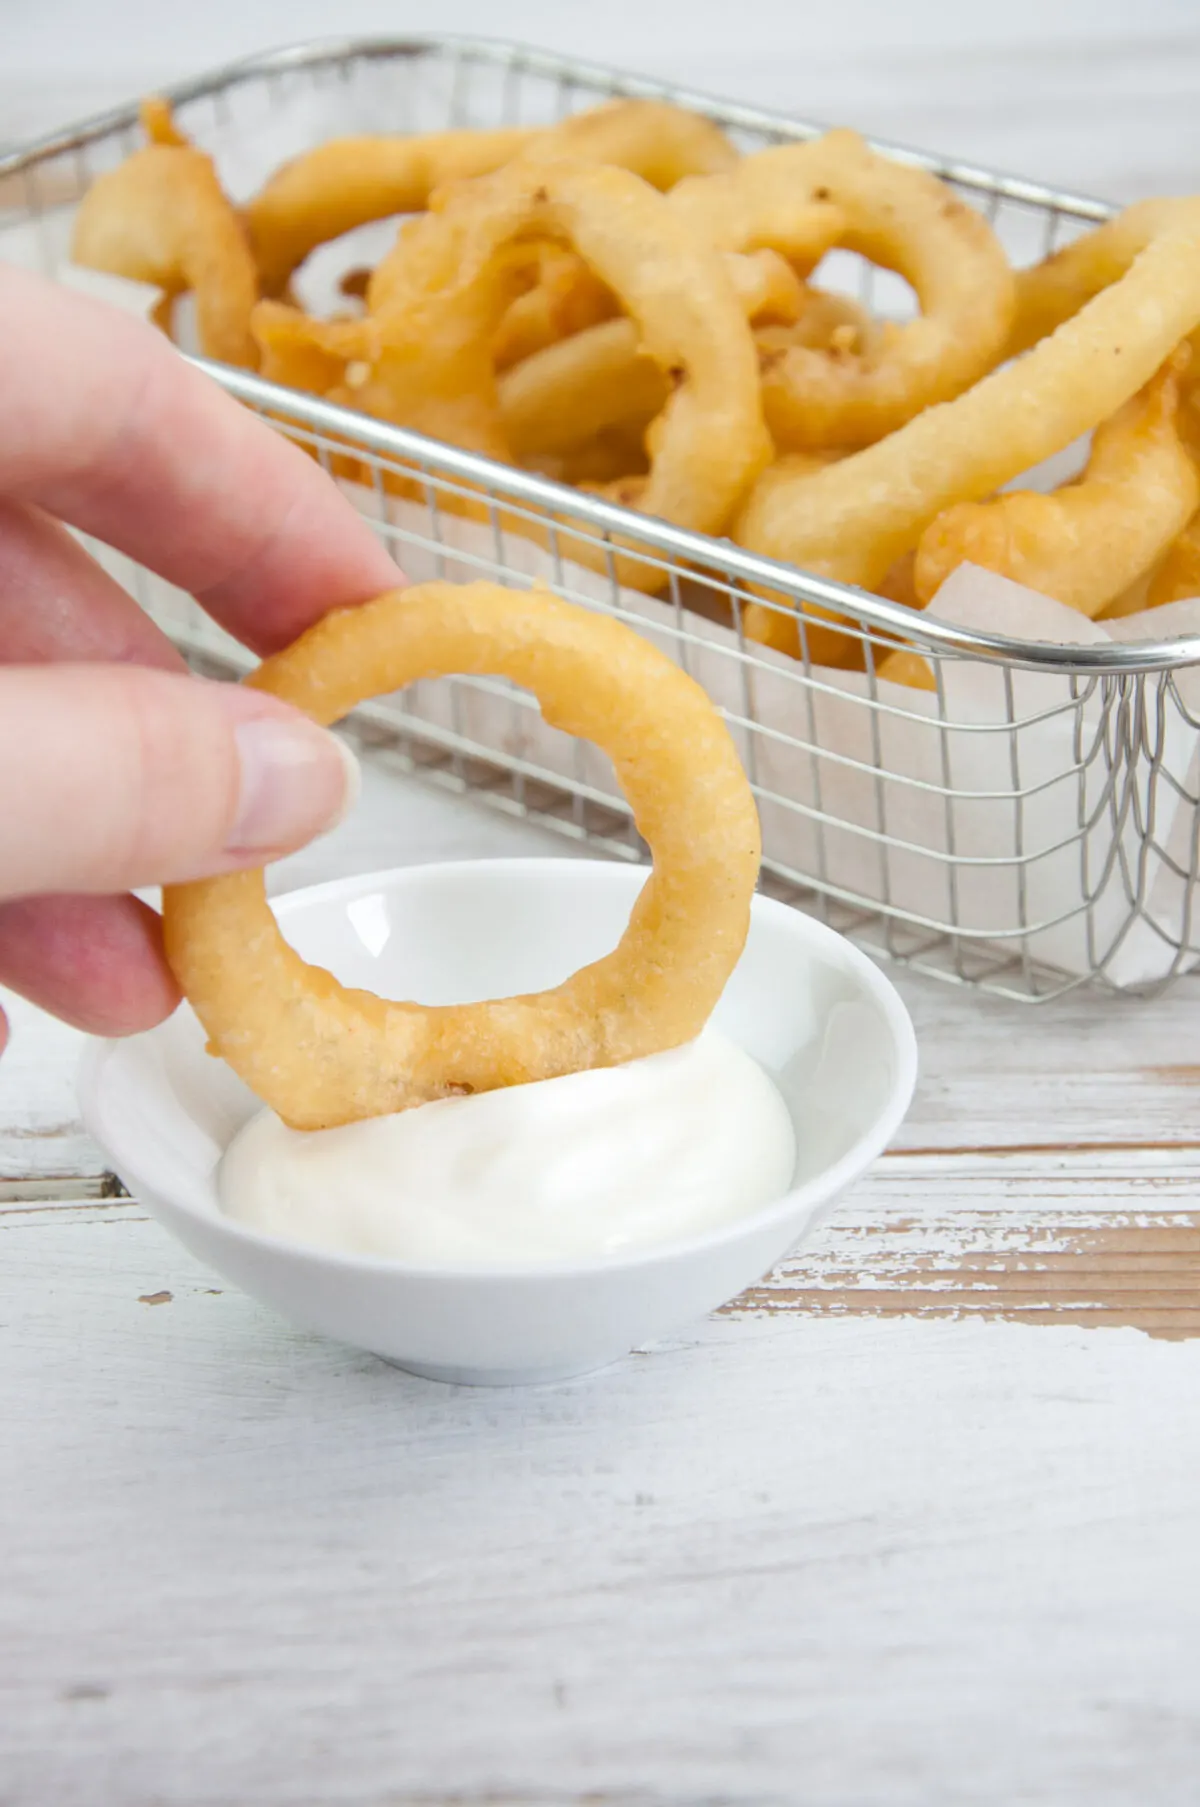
(320, 1054)
(624, 303)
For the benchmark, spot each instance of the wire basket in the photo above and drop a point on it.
(1031, 824)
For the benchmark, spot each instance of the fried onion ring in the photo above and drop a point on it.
(604, 378)
(435, 333)
(1051, 291)
(770, 291)
(348, 182)
(824, 322)
(566, 298)
(320, 1054)
(612, 453)
(801, 198)
(659, 142)
(899, 585)
(1177, 579)
(854, 519)
(162, 217)
(427, 366)
(1090, 540)
(593, 382)
(904, 666)
(157, 117)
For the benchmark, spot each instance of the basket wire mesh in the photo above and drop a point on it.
(1031, 824)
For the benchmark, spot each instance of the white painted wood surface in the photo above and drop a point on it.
(826, 1548)
(913, 1524)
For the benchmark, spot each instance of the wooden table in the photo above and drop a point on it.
(911, 1524)
(913, 1521)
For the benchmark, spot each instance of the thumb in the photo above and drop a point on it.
(117, 776)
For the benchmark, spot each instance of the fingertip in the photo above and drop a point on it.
(296, 781)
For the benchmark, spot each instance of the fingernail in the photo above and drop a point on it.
(353, 776)
(297, 781)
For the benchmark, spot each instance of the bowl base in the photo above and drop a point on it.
(499, 1377)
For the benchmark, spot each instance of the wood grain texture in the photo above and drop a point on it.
(1099, 1267)
(41, 1138)
(783, 1559)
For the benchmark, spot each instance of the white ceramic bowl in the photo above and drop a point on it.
(810, 1007)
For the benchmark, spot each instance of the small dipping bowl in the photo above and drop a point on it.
(811, 1009)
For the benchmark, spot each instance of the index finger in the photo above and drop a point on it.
(108, 428)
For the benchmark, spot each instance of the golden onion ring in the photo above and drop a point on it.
(321, 1054)
(162, 217)
(803, 199)
(1089, 541)
(855, 518)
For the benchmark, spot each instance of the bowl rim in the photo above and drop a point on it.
(822, 1187)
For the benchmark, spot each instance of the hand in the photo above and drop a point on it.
(117, 768)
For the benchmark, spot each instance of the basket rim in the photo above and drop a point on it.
(511, 52)
(641, 532)
(870, 612)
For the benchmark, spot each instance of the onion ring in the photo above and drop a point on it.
(1177, 579)
(612, 453)
(348, 182)
(659, 142)
(157, 117)
(824, 322)
(852, 520)
(803, 198)
(322, 1055)
(566, 298)
(1055, 289)
(899, 584)
(595, 381)
(445, 298)
(604, 378)
(162, 217)
(611, 136)
(906, 667)
(1091, 539)
(427, 366)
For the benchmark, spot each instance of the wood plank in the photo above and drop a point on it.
(1081, 1249)
(1110, 1269)
(1087, 1069)
(41, 1136)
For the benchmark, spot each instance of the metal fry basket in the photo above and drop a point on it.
(1031, 824)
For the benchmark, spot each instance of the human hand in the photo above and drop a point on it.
(118, 769)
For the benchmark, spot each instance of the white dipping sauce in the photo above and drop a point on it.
(585, 1166)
